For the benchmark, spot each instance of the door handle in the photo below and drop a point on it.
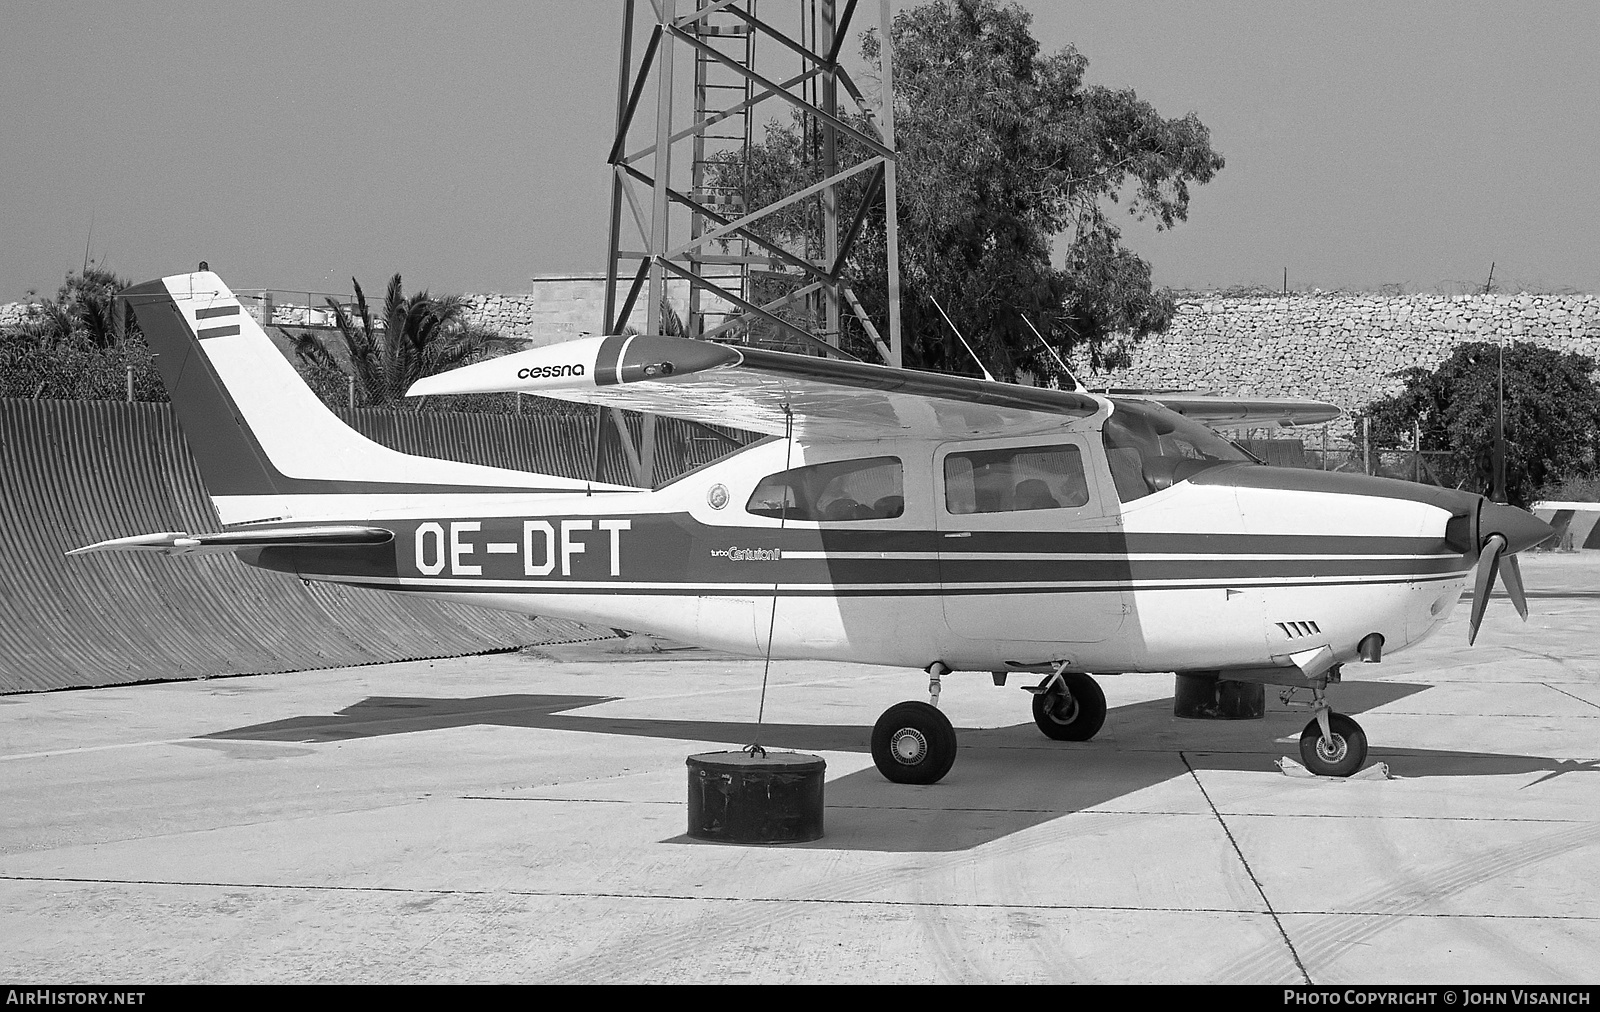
(962, 534)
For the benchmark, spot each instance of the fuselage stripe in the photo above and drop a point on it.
(458, 585)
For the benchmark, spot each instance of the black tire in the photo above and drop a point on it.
(1339, 758)
(913, 743)
(1076, 715)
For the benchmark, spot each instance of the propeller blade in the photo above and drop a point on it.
(1488, 566)
(1511, 579)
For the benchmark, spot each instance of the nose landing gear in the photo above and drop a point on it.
(1332, 745)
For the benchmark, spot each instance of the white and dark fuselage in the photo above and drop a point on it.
(1237, 567)
(890, 516)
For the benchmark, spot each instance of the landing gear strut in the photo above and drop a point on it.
(1332, 745)
(1069, 706)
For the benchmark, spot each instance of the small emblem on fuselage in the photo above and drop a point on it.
(737, 554)
(717, 496)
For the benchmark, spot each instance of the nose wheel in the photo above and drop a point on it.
(913, 743)
(1337, 751)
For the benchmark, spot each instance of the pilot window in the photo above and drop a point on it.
(1014, 479)
(869, 489)
(1149, 448)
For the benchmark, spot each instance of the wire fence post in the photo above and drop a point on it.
(130, 382)
(1416, 450)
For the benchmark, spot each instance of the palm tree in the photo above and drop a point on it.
(421, 335)
(83, 313)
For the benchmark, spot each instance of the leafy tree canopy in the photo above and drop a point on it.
(1552, 412)
(83, 314)
(421, 335)
(1002, 148)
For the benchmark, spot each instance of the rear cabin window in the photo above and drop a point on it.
(868, 489)
(1014, 479)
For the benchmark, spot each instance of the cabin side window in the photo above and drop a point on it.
(869, 489)
(1014, 479)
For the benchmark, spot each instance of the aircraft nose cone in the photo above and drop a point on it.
(1522, 530)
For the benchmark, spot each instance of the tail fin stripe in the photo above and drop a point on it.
(206, 314)
(219, 332)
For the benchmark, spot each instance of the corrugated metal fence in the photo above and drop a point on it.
(76, 472)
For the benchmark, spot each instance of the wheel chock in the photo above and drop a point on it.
(1377, 771)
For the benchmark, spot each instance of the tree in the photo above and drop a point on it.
(82, 344)
(1001, 150)
(421, 335)
(1552, 414)
(84, 313)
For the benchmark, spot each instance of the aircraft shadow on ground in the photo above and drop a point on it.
(1006, 779)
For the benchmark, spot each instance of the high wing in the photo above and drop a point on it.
(767, 391)
(1232, 411)
(183, 543)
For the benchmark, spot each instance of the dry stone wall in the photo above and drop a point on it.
(1340, 347)
(561, 308)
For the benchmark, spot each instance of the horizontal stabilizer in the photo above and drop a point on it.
(183, 543)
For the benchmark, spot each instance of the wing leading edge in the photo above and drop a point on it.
(767, 391)
(1210, 410)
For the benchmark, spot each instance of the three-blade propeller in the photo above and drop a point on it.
(1494, 548)
(1504, 530)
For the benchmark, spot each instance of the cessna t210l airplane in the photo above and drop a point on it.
(890, 517)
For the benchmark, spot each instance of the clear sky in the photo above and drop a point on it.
(296, 144)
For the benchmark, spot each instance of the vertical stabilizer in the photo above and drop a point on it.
(266, 446)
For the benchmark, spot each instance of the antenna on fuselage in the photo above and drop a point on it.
(1077, 384)
(986, 374)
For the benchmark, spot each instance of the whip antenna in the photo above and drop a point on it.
(1077, 384)
(964, 344)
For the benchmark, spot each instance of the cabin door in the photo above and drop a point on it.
(1029, 543)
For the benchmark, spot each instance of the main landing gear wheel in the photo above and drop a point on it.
(1071, 710)
(913, 743)
(1338, 756)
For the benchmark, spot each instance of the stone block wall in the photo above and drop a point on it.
(560, 308)
(1341, 347)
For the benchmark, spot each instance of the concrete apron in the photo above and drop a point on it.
(522, 819)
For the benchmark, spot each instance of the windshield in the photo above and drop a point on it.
(1150, 448)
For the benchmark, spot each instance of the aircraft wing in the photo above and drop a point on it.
(766, 391)
(1214, 411)
(183, 543)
